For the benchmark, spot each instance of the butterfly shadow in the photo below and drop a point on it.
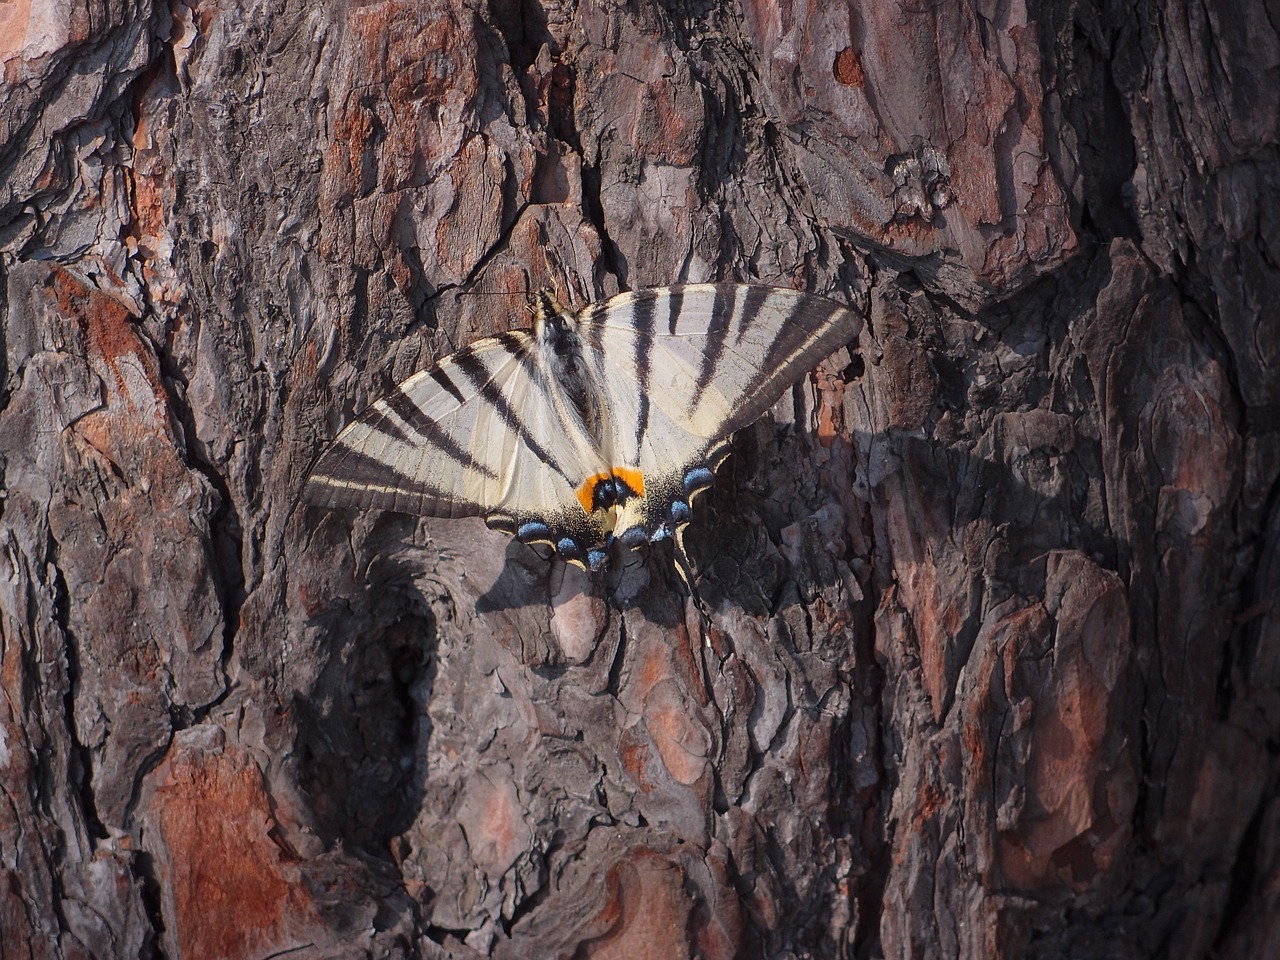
(767, 535)
(764, 544)
(368, 653)
(642, 581)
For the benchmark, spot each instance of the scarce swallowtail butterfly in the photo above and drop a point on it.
(594, 426)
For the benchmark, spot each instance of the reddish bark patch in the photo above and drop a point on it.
(15, 29)
(493, 820)
(152, 186)
(648, 912)
(847, 69)
(1080, 781)
(132, 428)
(233, 889)
(635, 752)
(831, 424)
(107, 324)
(681, 740)
(663, 690)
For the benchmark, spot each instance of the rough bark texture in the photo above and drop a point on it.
(993, 660)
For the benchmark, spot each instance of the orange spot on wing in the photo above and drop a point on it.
(586, 492)
(632, 478)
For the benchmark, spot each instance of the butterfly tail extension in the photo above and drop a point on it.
(684, 567)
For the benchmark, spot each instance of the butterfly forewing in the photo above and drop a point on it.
(712, 357)
(715, 357)
(475, 435)
(683, 367)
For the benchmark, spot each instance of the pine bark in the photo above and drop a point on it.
(993, 647)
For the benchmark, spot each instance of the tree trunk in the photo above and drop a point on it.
(993, 647)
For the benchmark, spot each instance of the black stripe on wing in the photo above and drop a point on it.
(441, 377)
(722, 312)
(644, 309)
(427, 429)
(375, 419)
(752, 309)
(675, 306)
(516, 346)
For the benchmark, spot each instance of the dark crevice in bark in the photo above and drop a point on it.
(1253, 602)
(529, 904)
(523, 26)
(58, 905)
(288, 952)
(593, 207)
(687, 20)
(80, 759)
(866, 831)
(614, 685)
(446, 936)
(562, 126)
(724, 151)
(1247, 872)
(417, 291)
(1096, 112)
(498, 246)
(151, 899)
(871, 804)
(226, 534)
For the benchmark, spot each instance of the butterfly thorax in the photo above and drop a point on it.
(556, 330)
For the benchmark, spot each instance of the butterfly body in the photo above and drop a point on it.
(597, 426)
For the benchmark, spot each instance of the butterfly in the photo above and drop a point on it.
(596, 426)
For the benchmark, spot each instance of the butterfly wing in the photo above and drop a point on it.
(683, 367)
(481, 434)
(512, 429)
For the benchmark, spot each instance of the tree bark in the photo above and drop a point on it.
(993, 647)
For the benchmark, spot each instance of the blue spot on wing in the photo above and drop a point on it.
(569, 549)
(632, 538)
(533, 532)
(699, 478)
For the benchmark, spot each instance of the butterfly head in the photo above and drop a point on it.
(552, 321)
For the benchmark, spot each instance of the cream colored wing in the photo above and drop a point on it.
(602, 424)
(483, 433)
(681, 368)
